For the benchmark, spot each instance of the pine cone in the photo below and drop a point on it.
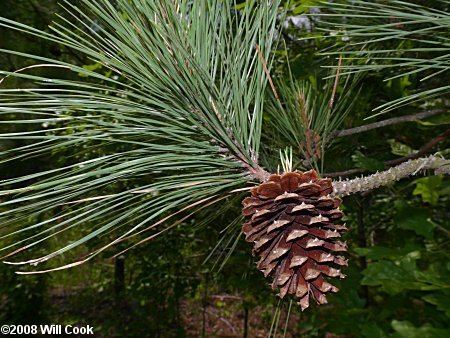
(294, 228)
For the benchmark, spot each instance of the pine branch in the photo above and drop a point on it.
(400, 168)
(388, 122)
(177, 97)
(422, 151)
(376, 33)
(361, 184)
(406, 169)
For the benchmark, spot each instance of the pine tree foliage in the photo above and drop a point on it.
(305, 115)
(402, 38)
(178, 120)
(173, 124)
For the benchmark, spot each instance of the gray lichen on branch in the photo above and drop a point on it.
(406, 169)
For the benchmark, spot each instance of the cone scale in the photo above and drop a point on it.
(294, 225)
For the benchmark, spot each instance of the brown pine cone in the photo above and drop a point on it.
(294, 228)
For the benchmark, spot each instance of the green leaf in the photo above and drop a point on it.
(400, 149)
(436, 120)
(445, 191)
(368, 163)
(380, 252)
(91, 68)
(304, 6)
(415, 219)
(407, 330)
(428, 188)
(397, 86)
(442, 301)
(372, 330)
(395, 277)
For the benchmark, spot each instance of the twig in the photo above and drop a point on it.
(409, 168)
(422, 151)
(388, 122)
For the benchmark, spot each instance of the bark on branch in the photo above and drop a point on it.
(406, 169)
(399, 168)
(361, 184)
(425, 149)
(388, 122)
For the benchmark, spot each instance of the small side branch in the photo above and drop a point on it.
(406, 169)
(425, 149)
(388, 122)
